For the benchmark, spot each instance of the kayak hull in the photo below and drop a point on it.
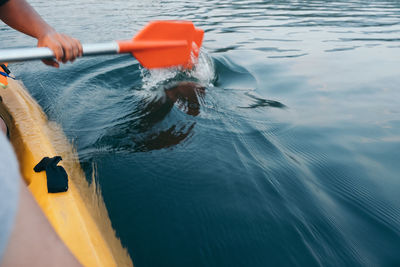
(79, 215)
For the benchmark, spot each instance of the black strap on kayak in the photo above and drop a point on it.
(57, 177)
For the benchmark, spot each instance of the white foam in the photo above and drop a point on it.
(203, 71)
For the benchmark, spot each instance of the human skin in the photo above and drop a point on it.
(3, 126)
(33, 242)
(19, 15)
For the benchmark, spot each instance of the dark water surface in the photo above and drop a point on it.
(281, 148)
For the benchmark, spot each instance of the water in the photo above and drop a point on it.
(281, 148)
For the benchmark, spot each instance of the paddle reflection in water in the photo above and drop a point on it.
(186, 96)
(156, 124)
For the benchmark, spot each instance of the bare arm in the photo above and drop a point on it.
(19, 15)
(22, 17)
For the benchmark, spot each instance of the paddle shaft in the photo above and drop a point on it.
(23, 54)
(115, 47)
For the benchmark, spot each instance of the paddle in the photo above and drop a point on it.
(159, 44)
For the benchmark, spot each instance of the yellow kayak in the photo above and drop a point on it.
(78, 215)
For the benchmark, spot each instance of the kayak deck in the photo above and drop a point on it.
(79, 215)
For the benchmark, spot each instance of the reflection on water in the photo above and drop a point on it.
(280, 148)
(186, 95)
(260, 102)
(144, 132)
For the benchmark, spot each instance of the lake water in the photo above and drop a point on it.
(282, 147)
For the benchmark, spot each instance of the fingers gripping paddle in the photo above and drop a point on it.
(160, 44)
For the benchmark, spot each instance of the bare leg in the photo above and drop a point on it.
(3, 126)
(33, 242)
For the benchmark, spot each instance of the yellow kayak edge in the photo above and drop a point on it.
(79, 216)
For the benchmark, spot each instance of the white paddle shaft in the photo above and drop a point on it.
(23, 54)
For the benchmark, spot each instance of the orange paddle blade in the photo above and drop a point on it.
(165, 44)
(198, 40)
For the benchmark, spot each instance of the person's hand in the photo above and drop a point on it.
(64, 47)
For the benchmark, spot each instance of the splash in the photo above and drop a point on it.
(203, 72)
